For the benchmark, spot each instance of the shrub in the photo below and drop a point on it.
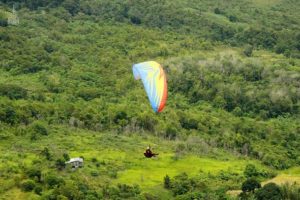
(270, 191)
(232, 18)
(217, 11)
(250, 185)
(89, 93)
(248, 50)
(171, 132)
(45, 152)
(38, 190)
(66, 157)
(94, 173)
(181, 184)
(60, 164)
(39, 128)
(291, 192)
(167, 182)
(27, 185)
(53, 180)
(13, 91)
(250, 171)
(34, 173)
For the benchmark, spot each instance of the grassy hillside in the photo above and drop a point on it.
(67, 90)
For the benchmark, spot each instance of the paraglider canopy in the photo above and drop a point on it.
(155, 83)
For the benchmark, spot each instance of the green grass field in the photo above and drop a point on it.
(121, 160)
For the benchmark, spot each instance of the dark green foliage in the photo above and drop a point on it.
(94, 173)
(38, 190)
(122, 191)
(28, 185)
(70, 191)
(39, 128)
(34, 173)
(171, 132)
(60, 164)
(250, 185)
(8, 115)
(13, 91)
(290, 191)
(72, 6)
(53, 181)
(167, 182)
(66, 157)
(89, 93)
(181, 184)
(270, 191)
(217, 11)
(250, 171)
(146, 121)
(45, 152)
(232, 18)
(248, 50)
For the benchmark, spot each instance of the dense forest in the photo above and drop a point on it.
(232, 119)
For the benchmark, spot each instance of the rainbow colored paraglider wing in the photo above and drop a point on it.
(155, 83)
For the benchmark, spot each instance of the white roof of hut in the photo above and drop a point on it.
(75, 160)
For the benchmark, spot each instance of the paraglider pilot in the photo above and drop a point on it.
(149, 153)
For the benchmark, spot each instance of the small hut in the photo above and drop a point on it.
(75, 162)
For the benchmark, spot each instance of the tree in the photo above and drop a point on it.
(46, 153)
(60, 164)
(66, 157)
(28, 185)
(250, 171)
(13, 91)
(34, 173)
(167, 182)
(217, 11)
(53, 180)
(250, 185)
(181, 184)
(248, 50)
(38, 190)
(39, 128)
(270, 191)
(232, 18)
(72, 6)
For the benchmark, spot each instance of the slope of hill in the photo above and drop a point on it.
(67, 90)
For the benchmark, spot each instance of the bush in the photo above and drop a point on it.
(232, 18)
(291, 192)
(45, 152)
(66, 157)
(89, 93)
(250, 185)
(60, 164)
(53, 180)
(167, 182)
(34, 174)
(13, 91)
(181, 184)
(270, 191)
(248, 50)
(250, 171)
(217, 11)
(94, 173)
(39, 128)
(171, 132)
(27, 185)
(38, 190)
(3, 22)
